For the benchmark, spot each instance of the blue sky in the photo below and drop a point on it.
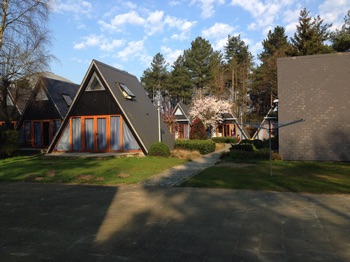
(127, 34)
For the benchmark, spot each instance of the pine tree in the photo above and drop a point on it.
(310, 36)
(154, 78)
(341, 38)
(239, 61)
(180, 86)
(198, 61)
(263, 88)
(219, 83)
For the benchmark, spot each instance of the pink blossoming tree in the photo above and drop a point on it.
(209, 109)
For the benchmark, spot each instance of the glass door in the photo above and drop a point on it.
(37, 134)
(101, 134)
(46, 134)
(76, 134)
(89, 134)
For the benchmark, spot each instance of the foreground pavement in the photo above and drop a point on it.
(53, 222)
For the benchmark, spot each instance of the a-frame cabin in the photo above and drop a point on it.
(110, 113)
(182, 129)
(48, 104)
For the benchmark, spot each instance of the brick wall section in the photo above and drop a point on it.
(315, 88)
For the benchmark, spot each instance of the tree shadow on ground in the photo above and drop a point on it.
(143, 223)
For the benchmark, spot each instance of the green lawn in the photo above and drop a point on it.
(298, 176)
(292, 176)
(105, 171)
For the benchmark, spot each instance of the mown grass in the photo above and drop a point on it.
(103, 171)
(292, 176)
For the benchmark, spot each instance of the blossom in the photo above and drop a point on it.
(209, 109)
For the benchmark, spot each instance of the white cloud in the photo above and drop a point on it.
(170, 55)
(218, 30)
(265, 12)
(207, 6)
(99, 41)
(334, 11)
(130, 5)
(77, 7)
(120, 20)
(174, 3)
(111, 45)
(182, 25)
(154, 22)
(219, 45)
(291, 19)
(132, 50)
(88, 41)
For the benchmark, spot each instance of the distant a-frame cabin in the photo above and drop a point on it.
(110, 113)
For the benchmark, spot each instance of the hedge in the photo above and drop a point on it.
(225, 139)
(243, 147)
(203, 146)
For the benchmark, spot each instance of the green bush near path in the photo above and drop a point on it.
(203, 146)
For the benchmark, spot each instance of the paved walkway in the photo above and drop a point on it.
(176, 175)
(48, 222)
(55, 222)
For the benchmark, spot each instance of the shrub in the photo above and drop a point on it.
(159, 149)
(225, 139)
(198, 130)
(258, 144)
(203, 146)
(9, 142)
(243, 147)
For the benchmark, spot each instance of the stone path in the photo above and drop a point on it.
(178, 174)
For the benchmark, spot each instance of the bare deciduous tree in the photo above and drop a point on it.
(24, 38)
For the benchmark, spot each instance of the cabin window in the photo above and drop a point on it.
(76, 134)
(95, 84)
(9, 101)
(67, 99)
(56, 126)
(63, 144)
(41, 96)
(101, 134)
(115, 133)
(89, 134)
(129, 140)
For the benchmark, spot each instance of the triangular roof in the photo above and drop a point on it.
(55, 88)
(184, 109)
(139, 112)
(21, 96)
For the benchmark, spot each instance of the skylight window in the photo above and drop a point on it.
(126, 91)
(67, 99)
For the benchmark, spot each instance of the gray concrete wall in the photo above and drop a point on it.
(317, 89)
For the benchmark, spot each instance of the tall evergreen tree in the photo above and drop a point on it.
(180, 86)
(198, 61)
(263, 88)
(341, 38)
(219, 83)
(154, 78)
(239, 61)
(310, 37)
